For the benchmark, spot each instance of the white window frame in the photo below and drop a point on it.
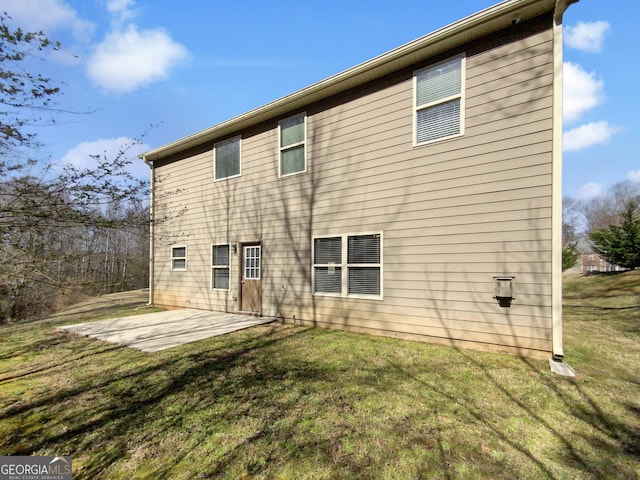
(221, 267)
(252, 271)
(417, 108)
(175, 257)
(282, 149)
(237, 138)
(345, 266)
(335, 266)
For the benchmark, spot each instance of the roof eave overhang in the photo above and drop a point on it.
(483, 23)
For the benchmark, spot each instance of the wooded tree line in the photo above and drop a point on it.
(51, 253)
(64, 231)
(609, 223)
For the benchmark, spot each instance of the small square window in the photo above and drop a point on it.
(178, 258)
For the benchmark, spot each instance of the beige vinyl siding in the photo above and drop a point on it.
(453, 213)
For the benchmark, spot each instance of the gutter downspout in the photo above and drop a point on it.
(556, 362)
(152, 173)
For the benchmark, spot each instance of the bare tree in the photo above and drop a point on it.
(24, 96)
(602, 211)
(76, 230)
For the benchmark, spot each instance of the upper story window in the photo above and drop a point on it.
(293, 139)
(178, 258)
(226, 159)
(439, 100)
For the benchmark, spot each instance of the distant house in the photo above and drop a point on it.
(591, 262)
(416, 195)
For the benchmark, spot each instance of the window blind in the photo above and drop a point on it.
(291, 131)
(221, 278)
(292, 160)
(328, 279)
(327, 254)
(439, 100)
(328, 250)
(439, 82)
(221, 255)
(364, 249)
(442, 120)
(364, 280)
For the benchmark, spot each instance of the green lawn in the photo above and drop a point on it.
(284, 402)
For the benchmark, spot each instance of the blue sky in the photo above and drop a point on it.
(185, 66)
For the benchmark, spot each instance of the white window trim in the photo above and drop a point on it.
(461, 96)
(341, 265)
(228, 140)
(214, 267)
(179, 258)
(246, 268)
(344, 266)
(293, 145)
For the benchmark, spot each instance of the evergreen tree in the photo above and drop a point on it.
(620, 244)
(570, 256)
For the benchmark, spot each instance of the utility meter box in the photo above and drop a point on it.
(504, 290)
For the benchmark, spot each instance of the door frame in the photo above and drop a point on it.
(241, 278)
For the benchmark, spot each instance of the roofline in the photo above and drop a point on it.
(480, 24)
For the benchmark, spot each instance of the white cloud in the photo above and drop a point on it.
(122, 10)
(634, 176)
(127, 60)
(47, 15)
(117, 6)
(80, 156)
(587, 135)
(581, 92)
(590, 190)
(587, 36)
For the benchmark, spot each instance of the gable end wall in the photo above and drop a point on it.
(453, 214)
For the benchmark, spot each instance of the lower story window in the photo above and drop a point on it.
(348, 265)
(327, 254)
(178, 258)
(220, 267)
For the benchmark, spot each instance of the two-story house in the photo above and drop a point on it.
(416, 195)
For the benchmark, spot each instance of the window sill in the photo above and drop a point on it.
(226, 178)
(436, 140)
(349, 296)
(301, 172)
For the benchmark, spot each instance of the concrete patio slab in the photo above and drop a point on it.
(152, 332)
